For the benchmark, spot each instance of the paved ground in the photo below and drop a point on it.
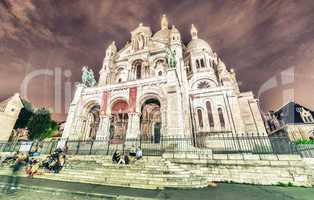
(38, 189)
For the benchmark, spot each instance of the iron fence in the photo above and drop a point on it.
(217, 143)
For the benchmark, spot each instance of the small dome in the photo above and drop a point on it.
(174, 29)
(162, 35)
(198, 44)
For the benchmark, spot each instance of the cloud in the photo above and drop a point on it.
(257, 38)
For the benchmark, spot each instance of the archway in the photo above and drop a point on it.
(150, 121)
(119, 121)
(91, 122)
(137, 72)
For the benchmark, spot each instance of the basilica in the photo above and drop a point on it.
(156, 86)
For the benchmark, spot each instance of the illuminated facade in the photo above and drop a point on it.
(140, 95)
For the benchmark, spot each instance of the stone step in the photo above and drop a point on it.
(109, 163)
(117, 172)
(131, 166)
(106, 159)
(131, 181)
(148, 173)
(101, 182)
(126, 173)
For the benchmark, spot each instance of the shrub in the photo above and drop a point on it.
(303, 141)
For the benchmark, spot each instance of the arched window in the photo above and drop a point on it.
(197, 64)
(221, 118)
(160, 73)
(202, 63)
(200, 118)
(138, 70)
(210, 114)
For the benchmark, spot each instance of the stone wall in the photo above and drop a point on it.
(249, 168)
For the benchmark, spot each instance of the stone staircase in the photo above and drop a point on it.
(147, 173)
(310, 164)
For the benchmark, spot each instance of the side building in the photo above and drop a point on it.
(9, 113)
(292, 120)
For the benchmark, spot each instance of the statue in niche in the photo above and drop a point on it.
(139, 42)
(88, 78)
(171, 58)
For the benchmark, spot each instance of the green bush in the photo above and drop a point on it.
(303, 141)
(289, 184)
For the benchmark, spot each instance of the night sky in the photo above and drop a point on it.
(270, 44)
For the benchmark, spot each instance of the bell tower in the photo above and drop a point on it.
(107, 63)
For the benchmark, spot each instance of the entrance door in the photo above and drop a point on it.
(119, 121)
(150, 121)
(157, 132)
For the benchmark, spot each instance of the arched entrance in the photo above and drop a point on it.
(91, 122)
(118, 121)
(150, 121)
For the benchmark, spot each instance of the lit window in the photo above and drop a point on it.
(221, 118)
(138, 71)
(197, 64)
(210, 114)
(202, 63)
(200, 118)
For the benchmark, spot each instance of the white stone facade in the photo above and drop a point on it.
(9, 113)
(140, 95)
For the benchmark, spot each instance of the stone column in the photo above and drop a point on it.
(103, 130)
(175, 118)
(133, 131)
(70, 125)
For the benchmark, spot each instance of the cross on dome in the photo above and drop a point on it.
(164, 22)
(194, 32)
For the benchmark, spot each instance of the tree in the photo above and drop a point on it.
(39, 124)
(25, 115)
(54, 127)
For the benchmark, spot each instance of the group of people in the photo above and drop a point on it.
(55, 161)
(32, 163)
(132, 155)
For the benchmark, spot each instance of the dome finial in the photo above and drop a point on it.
(194, 32)
(112, 47)
(164, 22)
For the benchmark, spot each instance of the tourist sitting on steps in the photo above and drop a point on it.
(133, 151)
(35, 151)
(121, 160)
(116, 156)
(33, 167)
(126, 159)
(61, 163)
(55, 161)
(139, 153)
(9, 156)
